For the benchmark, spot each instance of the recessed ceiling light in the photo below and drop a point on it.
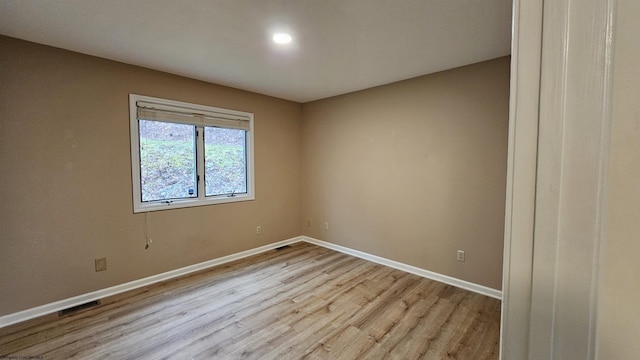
(282, 38)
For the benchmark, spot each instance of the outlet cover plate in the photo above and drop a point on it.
(101, 264)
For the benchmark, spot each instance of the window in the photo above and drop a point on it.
(188, 155)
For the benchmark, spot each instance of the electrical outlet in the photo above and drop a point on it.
(460, 256)
(258, 230)
(308, 223)
(326, 226)
(101, 264)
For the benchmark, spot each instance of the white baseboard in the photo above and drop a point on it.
(50, 308)
(480, 289)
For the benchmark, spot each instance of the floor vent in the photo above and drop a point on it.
(283, 247)
(77, 308)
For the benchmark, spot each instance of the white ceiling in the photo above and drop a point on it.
(338, 46)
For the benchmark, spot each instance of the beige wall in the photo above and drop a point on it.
(414, 170)
(619, 313)
(410, 171)
(65, 177)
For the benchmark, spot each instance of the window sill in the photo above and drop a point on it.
(186, 203)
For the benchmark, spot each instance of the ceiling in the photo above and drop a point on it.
(339, 46)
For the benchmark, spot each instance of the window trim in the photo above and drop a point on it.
(202, 199)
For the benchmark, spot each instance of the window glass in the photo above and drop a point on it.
(225, 161)
(167, 161)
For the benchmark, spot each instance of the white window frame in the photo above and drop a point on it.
(140, 206)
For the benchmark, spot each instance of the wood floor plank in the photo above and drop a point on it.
(300, 302)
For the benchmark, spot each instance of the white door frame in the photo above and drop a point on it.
(556, 177)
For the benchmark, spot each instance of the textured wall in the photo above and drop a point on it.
(65, 177)
(414, 170)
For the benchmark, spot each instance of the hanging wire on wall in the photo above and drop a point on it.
(147, 237)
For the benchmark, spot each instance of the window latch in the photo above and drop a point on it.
(233, 193)
(168, 202)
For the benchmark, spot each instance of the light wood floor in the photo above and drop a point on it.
(301, 302)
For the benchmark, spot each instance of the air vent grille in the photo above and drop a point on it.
(77, 308)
